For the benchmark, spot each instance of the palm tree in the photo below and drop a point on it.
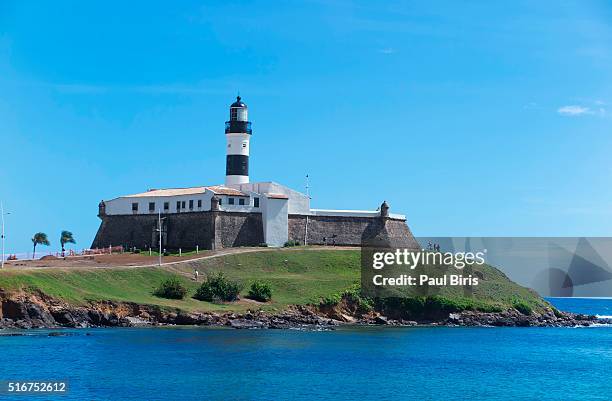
(39, 238)
(66, 238)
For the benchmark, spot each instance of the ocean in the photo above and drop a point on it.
(377, 363)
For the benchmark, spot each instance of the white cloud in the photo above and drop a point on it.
(574, 110)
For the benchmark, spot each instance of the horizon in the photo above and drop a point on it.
(499, 116)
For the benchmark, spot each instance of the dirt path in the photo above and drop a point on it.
(139, 260)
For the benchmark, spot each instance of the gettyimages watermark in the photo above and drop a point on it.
(461, 266)
(401, 272)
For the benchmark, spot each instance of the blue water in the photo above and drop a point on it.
(350, 363)
(588, 306)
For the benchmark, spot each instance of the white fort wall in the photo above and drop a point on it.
(298, 202)
(275, 221)
(281, 209)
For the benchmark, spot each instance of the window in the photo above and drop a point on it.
(166, 205)
(200, 203)
(183, 205)
(233, 114)
(256, 202)
(191, 204)
(241, 201)
(135, 207)
(244, 144)
(151, 206)
(230, 201)
(178, 206)
(220, 201)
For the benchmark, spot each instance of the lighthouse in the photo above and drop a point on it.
(238, 134)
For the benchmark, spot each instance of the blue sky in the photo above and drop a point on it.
(472, 118)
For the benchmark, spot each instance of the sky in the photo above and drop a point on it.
(471, 118)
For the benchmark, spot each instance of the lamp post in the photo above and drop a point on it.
(2, 217)
(159, 228)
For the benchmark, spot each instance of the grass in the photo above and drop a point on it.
(297, 276)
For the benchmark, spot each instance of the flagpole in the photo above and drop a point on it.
(2, 214)
(160, 235)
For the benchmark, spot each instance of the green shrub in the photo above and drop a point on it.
(431, 307)
(522, 307)
(557, 313)
(171, 288)
(260, 291)
(353, 295)
(331, 300)
(218, 288)
(488, 308)
(414, 306)
(263, 245)
(291, 242)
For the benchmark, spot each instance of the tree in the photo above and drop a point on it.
(39, 239)
(66, 238)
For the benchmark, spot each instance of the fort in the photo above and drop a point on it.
(239, 213)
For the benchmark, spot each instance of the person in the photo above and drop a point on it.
(196, 274)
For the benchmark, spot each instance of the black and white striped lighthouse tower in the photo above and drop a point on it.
(238, 134)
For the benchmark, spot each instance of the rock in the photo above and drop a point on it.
(185, 319)
(246, 324)
(63, 317)
(347, 318)
(380, 320)
(454, 317)
(23, 324)
(95, 317)
(37, 312)
(111, 319)
(276, 323)
(523, 323)
(137, 322)
(14, 310)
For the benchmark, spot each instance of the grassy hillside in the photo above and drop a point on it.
(297, 277)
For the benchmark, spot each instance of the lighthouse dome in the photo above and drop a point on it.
(238, 103)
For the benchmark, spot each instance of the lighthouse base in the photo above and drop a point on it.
(236, 179)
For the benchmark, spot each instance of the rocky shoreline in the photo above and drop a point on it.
(36, 310)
